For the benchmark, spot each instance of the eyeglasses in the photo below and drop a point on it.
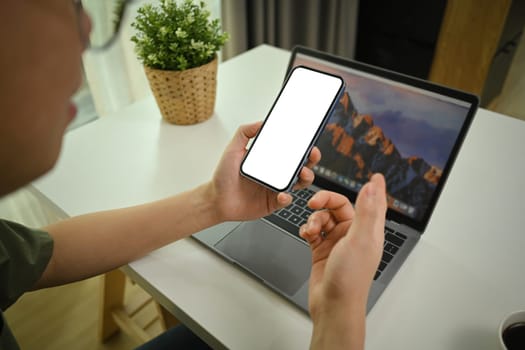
(106, 16)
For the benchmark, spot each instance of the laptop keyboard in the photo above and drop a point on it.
(296, 214)
(393, 241)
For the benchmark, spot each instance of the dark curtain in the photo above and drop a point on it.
(328, 25)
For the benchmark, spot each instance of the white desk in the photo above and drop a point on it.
(451, 293)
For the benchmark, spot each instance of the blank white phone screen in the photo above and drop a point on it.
(291, 126)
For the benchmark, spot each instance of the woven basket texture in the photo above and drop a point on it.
(185, 97)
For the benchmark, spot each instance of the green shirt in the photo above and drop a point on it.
(24, 255)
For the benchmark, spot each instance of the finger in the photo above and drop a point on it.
(371, 208)
(318, 222)
(278, 201)
(338, 204)
(306, 175)
(314, 157)
(283, 199)
(306, 178)
(307, 235)
(248, 131)
(321, 227)
(311, 231)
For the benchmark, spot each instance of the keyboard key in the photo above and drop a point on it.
(392, 249)
(394, 239)
(401, 235)
(387, 257)
(378, 273)
(306, 214)
(300, 202)
(284, 213)
(297, 210)
(294, 219)
(305, 194)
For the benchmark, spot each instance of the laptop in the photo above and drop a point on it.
(408, 129)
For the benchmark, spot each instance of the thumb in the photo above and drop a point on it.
(371, 207)
(246, 132)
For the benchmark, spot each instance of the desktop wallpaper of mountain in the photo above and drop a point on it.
(393, 130)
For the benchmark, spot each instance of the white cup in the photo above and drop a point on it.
(515, 317)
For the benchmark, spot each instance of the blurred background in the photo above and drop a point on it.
(407, 36)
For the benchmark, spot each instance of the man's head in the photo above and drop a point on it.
(42, 44)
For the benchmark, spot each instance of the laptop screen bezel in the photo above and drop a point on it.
(471, 99)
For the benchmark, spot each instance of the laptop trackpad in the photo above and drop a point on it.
(269, 253)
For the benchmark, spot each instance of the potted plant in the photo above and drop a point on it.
(177, 43)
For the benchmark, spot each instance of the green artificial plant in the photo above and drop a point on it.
(176, 35)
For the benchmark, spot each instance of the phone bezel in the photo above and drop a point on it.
(293, 179)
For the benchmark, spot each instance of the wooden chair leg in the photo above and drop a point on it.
(113, 316)
(166, 318)
(112, 298)
(130, 327)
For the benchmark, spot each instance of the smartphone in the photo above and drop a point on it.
(291, 128)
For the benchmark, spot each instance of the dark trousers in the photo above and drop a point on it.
(178, 337)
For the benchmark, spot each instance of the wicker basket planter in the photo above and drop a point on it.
(185, 97)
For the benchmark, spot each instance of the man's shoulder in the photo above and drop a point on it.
(24, 255)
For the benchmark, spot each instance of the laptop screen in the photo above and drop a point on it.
(407, 129)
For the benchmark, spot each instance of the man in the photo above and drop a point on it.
(41, 58)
